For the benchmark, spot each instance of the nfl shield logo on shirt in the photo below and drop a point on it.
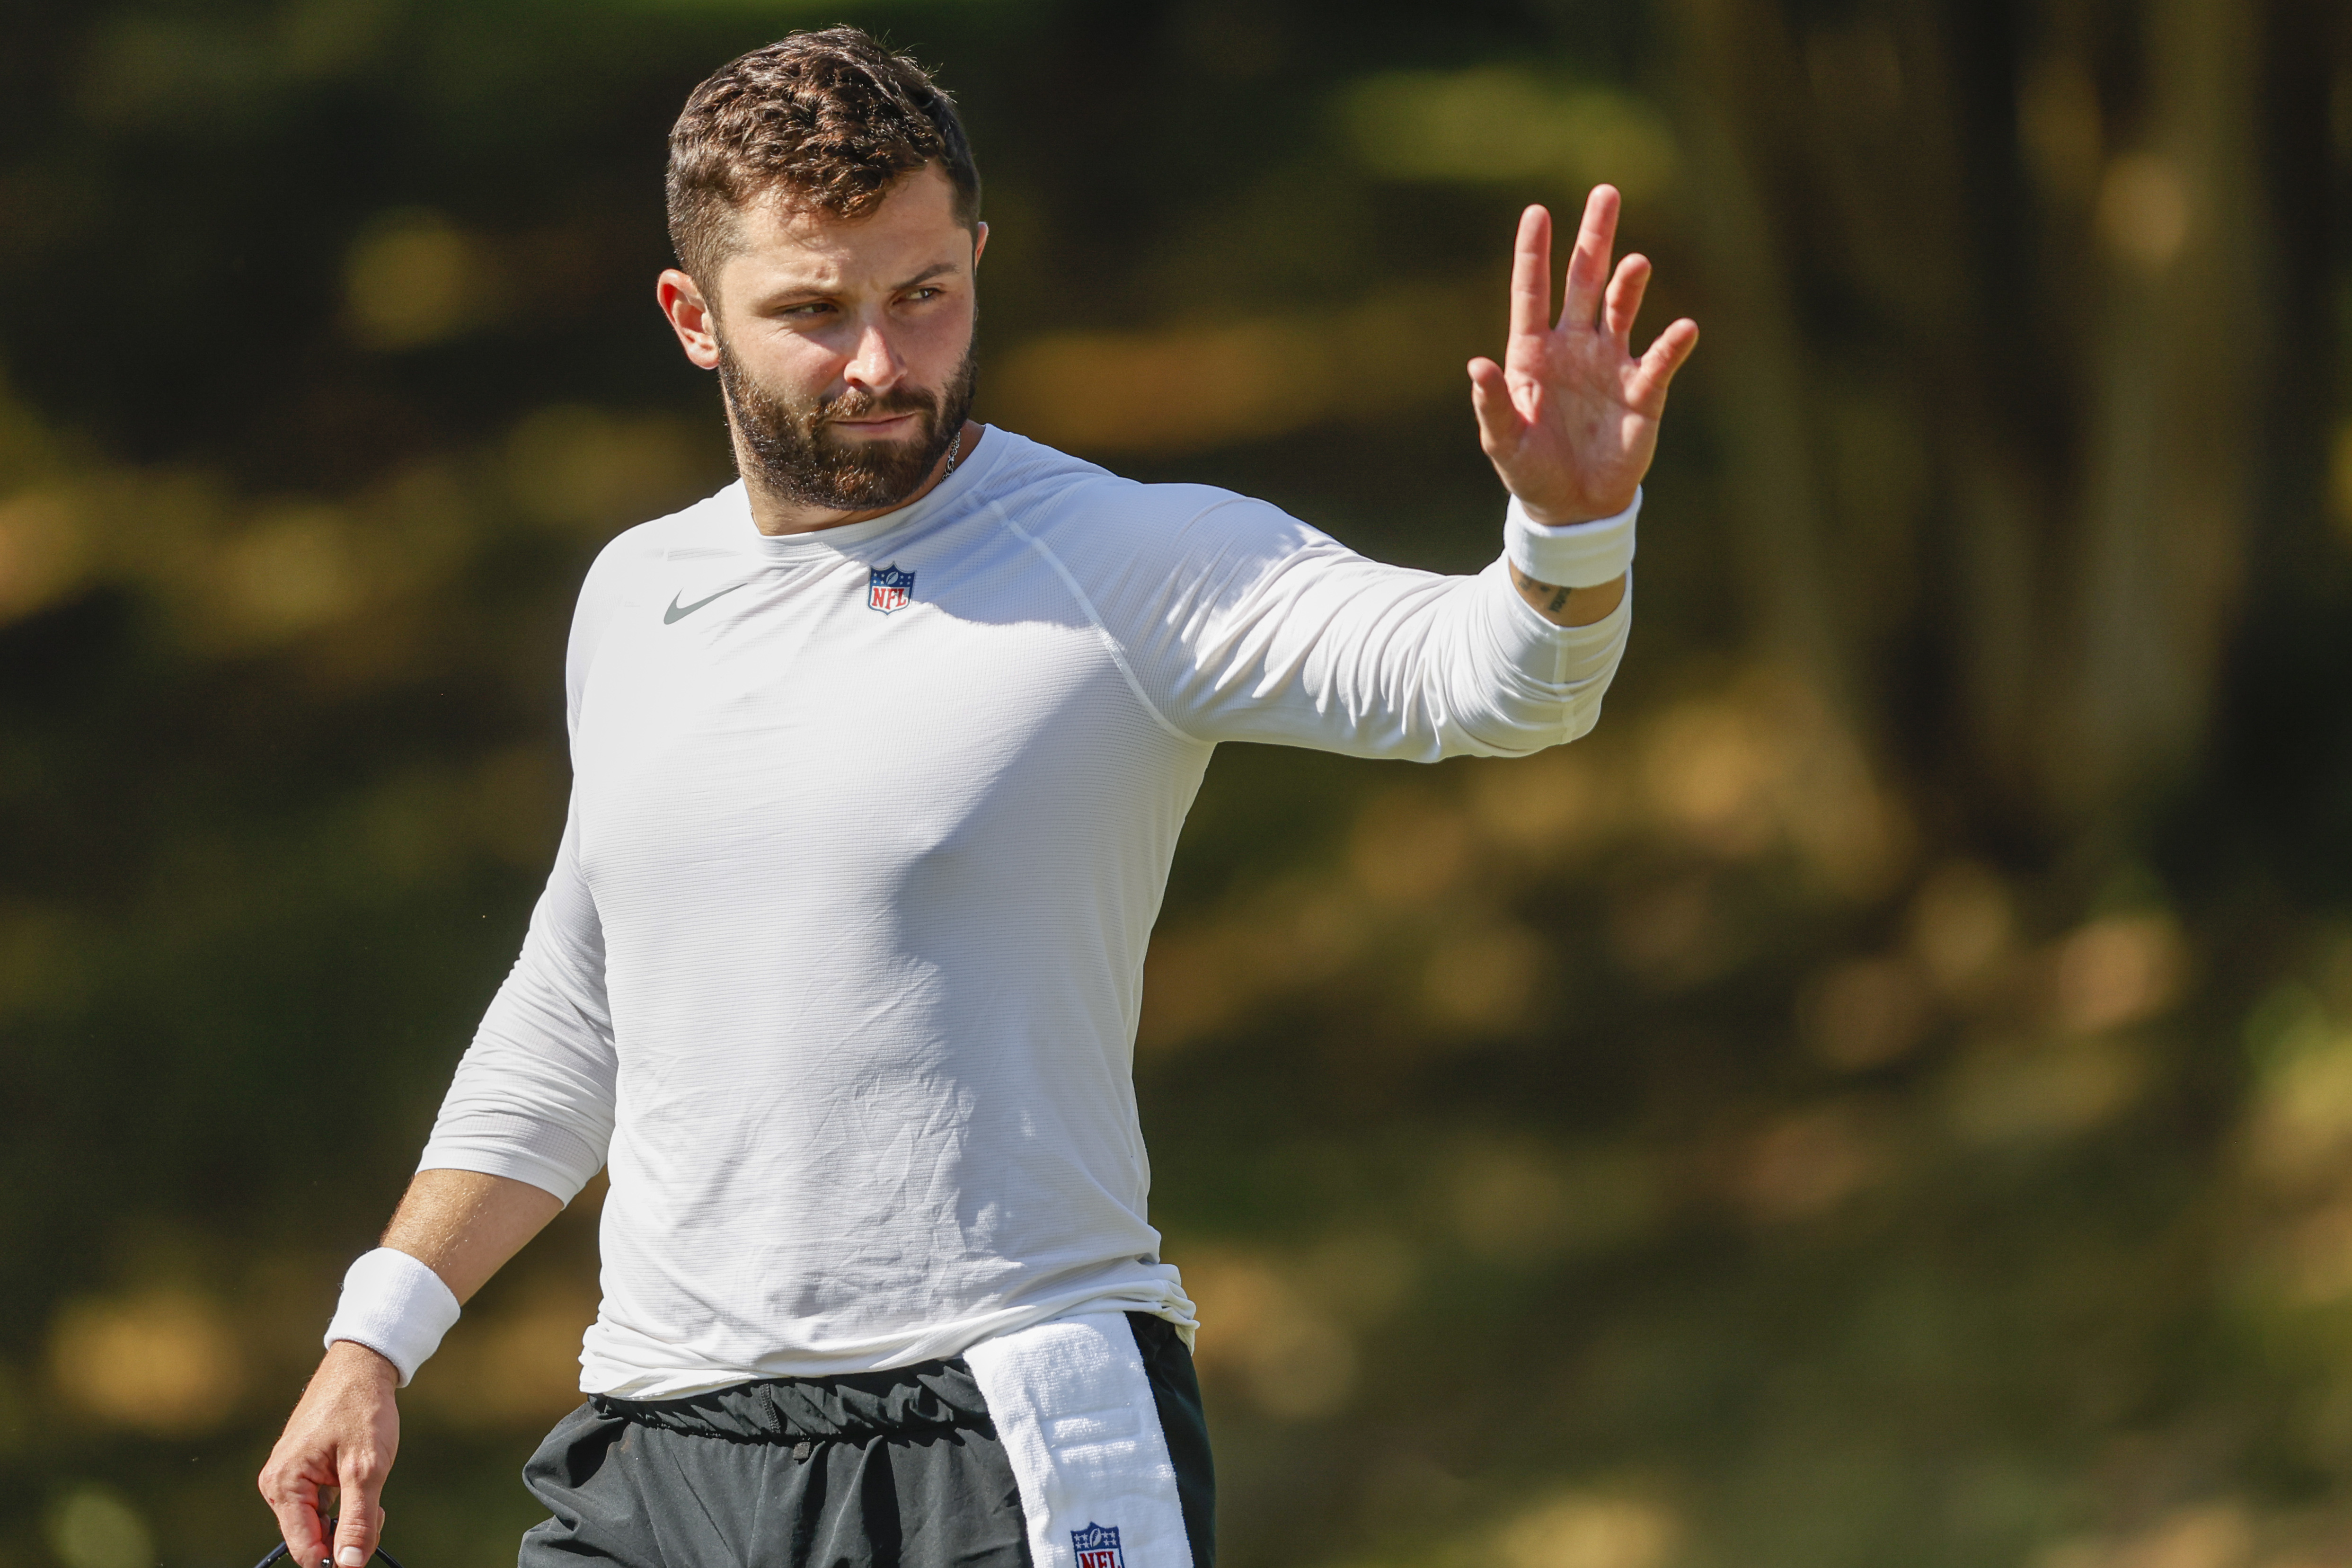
(1098, 1546)
(888, 589)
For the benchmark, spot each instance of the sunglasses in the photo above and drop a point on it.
(279, 1552)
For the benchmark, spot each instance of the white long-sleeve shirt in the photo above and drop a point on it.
(839, 966)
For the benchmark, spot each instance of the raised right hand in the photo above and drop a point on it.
(344, 1433)
(1571, 416)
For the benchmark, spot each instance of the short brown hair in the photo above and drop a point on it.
(827, 120)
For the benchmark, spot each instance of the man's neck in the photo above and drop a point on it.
(773, 515)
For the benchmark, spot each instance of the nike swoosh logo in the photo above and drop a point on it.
(677, 612)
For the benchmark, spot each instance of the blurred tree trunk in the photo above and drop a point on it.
(2170, 478)
(2087, 386)
(1757, 340)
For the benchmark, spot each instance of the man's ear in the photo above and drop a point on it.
(689, 315)
(979, 242)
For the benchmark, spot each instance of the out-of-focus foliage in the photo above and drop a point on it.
(1884, 1097)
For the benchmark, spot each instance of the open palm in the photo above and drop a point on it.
(1571, 416)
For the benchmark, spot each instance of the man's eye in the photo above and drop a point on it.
(815, 308)
(924, 294)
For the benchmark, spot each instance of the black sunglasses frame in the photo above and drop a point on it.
(279, 1551)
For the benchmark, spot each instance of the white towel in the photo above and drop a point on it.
(1074, 1408)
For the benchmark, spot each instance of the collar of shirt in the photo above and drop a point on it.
(850, 538)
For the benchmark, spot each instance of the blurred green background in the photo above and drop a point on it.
(1886, 1099)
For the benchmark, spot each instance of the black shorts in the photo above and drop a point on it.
(883, 1469)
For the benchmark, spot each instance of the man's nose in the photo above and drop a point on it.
(874, 363)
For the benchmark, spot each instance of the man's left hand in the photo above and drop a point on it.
(1571, 416)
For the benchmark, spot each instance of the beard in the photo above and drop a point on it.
(793, 451)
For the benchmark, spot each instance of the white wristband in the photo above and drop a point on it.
(396, 1306)
(1581, 555)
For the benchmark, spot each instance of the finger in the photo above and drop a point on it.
(1499, 424)
(355, 1535)
(293, 1497)
(1658, 366)
(1624, 302)
(1588, 264)
(297, 1526)
(1532, 274)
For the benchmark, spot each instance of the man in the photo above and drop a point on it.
(879, 760)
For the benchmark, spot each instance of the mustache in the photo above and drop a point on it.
(859, 403)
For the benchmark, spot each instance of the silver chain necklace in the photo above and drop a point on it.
(955, 450)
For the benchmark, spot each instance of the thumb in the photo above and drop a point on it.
(1500, 423)
(357, 1530)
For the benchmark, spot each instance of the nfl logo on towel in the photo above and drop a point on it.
(888, 589)
(1098, 1546)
